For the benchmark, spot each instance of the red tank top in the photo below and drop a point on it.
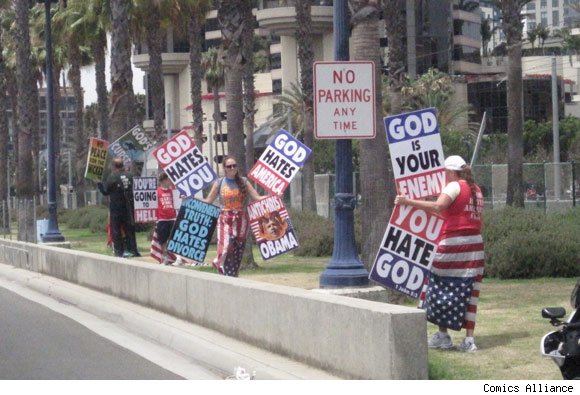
(463, 214)
(165, 207)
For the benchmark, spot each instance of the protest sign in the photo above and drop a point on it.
(145, 199)
(271, 227)
(97, 159)
(407, 250)
(279, 163)
(193, 229)
(131, 147)
(185, 164)
(416, 153)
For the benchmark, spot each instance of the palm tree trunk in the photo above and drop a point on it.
(217, 118)
(155, 80)
(376, 181)
(231, 22)
(4, 137)
(195, 48)
(80, 142)
(98, 50)
(123, 115)
(26, 127)
(306, 58)
(511, 11)
(57, 127)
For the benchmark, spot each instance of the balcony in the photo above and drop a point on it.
(281, 19)
(172, 62)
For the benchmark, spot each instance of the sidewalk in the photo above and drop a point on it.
(177, 345)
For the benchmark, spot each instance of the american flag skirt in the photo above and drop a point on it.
(232, 230)
(451, 295)
(156, 251)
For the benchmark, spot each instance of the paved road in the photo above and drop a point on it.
(38, 343)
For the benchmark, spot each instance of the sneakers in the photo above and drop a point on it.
(467, 345)
(440, 340)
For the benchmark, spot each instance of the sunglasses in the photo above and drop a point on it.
(231, 166)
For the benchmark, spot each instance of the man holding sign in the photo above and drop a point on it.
(457, 269)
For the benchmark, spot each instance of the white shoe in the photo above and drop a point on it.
(467, 345)
(440, 340)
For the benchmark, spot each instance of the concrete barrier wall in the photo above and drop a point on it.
(348, 337)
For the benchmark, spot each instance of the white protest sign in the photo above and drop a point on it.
(145, 199)
(344, 100)
(416, 153)
(407, 250)
(185, 164)
(279, 163)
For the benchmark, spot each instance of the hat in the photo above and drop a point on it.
(454, 162)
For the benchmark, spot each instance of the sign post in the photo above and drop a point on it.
(345, 269)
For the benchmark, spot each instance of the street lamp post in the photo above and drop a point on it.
(52, 234)
(345, 268)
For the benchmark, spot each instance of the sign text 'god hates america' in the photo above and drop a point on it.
(185, 164)
(279, 163)
(416, 153)
(407, 250)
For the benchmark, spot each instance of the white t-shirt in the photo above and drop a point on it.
(452, 190)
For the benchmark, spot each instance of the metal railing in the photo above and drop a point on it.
(547, 186)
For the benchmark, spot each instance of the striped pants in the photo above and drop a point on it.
(232, 230)
(459, 256)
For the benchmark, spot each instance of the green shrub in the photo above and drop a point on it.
(522, 243)
(92, 217)
(315, 233)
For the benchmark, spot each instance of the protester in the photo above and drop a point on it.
(166, 216)
(119, 188)
(232, 227)
(452, 293)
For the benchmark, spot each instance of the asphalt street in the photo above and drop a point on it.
(39, 343)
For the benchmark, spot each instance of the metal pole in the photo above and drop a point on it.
(345, 268)
(555, 129)
(52, 234)
(477, 143)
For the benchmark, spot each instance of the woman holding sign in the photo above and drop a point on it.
(451, 296)
(232, 226)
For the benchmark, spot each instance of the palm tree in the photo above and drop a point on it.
(93, 19)
(27, 122)
(375, 177)
(532, 36)
(195, 11)
(543, 33)
(512, 27)
(147, 16)
(4, 132)
(231, 23)
(306, 58)
(249, 99)
(122, 96)
(213, 68)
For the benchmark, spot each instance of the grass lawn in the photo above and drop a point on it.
(508, 331)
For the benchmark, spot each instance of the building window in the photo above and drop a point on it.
(277, 87)
(544, 18)
(555, 3)
(466, 54)
(555, 19)
(543, 4)
(276, 61)
(531, 6)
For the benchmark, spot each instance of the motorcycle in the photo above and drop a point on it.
(563, 345)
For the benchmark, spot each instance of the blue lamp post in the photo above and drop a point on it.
(52, 234)
(345, 269)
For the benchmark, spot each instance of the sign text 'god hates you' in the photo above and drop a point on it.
(344, 100)
(184, 164)
(416, 153)
(279, 163)
(407, 250)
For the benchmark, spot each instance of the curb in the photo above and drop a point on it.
(219, 354)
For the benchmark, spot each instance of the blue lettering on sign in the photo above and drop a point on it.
(290, 147)
(400, 274)
(411, 125)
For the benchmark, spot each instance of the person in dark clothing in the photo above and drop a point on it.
(119, 188)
